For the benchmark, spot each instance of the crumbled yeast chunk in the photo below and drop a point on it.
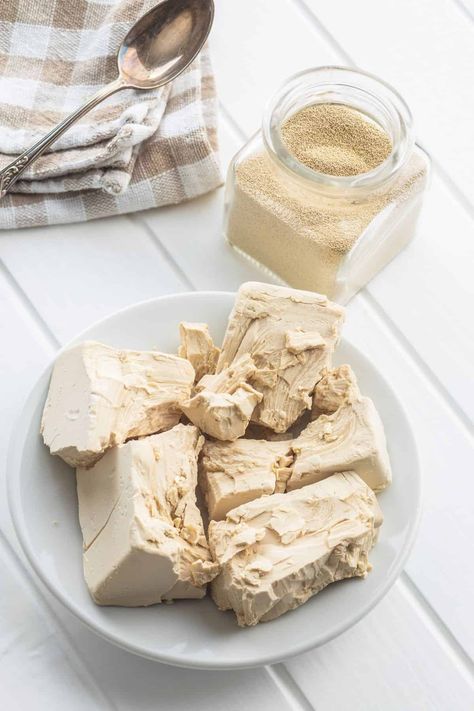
(101, 396)
(337, 387)
(143, 534)
(233, 473)
(197, 346)
(290, 336)
(223, 403)
(278, 551)
(352, 437)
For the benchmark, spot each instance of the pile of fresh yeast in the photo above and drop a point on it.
(286, 450)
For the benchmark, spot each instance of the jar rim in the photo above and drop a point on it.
(364, 89)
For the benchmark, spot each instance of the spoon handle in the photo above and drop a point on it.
(13, 170)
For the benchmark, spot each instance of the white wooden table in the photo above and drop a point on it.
(415, 650)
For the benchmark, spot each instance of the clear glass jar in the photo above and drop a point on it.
(321, 232)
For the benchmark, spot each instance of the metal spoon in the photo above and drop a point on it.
(155, 51)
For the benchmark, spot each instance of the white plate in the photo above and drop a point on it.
(42, 498)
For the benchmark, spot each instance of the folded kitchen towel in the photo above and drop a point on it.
(136, 150)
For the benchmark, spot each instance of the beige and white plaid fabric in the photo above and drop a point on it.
(135, 151)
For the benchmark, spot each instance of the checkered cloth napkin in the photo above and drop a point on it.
(136, 150)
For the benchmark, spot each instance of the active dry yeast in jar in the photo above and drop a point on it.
(330, 189)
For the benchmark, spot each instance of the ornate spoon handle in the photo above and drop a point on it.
(13, 170)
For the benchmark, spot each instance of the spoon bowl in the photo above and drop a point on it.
(164, 42)
(159, 46)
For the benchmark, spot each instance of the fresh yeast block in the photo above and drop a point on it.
(290, 336)
(143, 533)
(278, 551)
(101, 396)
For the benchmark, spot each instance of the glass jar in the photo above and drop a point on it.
(322, 232)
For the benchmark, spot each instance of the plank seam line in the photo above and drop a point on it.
(450, 184)
(329, 37)
(454, 647)
(289, 688)
(465, 9)
(418, 361)
(158, 244)
(28, 306)
(232, 123)
(445, 177)
(83, 672)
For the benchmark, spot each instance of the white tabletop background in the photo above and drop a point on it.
(415, 650)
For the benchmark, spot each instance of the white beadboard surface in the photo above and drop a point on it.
(415, 650)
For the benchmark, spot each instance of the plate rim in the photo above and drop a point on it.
(13, 460)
